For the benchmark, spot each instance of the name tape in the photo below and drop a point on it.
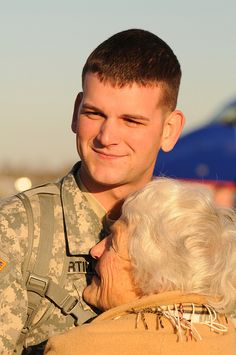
(82, 264)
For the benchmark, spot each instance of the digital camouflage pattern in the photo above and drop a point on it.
(83, 228)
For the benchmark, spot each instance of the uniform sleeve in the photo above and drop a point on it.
(13, 295)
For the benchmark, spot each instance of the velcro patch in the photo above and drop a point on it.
(2, 264)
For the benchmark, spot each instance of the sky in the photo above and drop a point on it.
(45, 43)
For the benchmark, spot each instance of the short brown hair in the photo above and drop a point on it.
(138, 56)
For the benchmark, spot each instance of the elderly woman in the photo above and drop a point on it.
(166, 277)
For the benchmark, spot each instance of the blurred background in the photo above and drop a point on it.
(44, 45)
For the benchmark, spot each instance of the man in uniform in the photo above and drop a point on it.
(124, 116)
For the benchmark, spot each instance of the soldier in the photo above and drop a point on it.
(124, 116)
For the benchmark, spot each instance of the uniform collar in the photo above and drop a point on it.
(82, 225)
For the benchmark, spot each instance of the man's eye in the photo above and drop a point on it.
(92, 114)
(132, 123)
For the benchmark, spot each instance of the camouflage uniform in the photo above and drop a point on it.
(83, 228)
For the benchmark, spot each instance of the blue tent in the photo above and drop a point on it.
(208, 153)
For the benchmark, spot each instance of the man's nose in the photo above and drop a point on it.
(109, 133)
(98, 249)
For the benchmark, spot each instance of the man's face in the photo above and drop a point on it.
(119, 133)
(113, 284)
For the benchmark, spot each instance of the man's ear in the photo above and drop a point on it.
(76, 110)
(172, 129)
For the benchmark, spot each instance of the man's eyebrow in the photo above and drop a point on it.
(136, 117)
(128, 116)
(91, 107)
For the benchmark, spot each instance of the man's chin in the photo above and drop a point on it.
(102, 178)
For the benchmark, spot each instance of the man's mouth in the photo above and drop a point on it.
(105, 155)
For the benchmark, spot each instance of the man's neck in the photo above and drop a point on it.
(112, 198)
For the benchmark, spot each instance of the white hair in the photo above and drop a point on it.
(180, 240)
